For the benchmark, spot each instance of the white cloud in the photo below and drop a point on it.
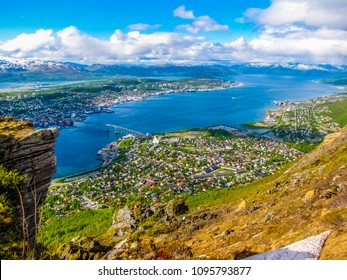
(74, 45)
(316, 13)
(238, 44)
(306, 46)
(69, 44)
(203, 24)
(24, 43)
(143, 26)
(300, 30)
(280, 43)
(162, 46)
(200, 24)
(240, 20)
(183, 13)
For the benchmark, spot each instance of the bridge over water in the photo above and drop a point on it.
(107, 128)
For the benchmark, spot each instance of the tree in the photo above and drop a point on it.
(10, 191)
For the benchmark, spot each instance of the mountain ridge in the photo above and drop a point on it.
(15, 69)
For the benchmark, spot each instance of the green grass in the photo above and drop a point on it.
(125, 143)
(304, 147)
(256, 125)
(218, 133)
(87, 223)
(218, 197)
(339, 112)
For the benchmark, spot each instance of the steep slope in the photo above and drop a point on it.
(306, 199)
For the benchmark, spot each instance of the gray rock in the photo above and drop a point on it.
(214, 229)
(226, 232)
(164, 219)
(32, 156)
(268, 217)
(123, 221)
(253, 208)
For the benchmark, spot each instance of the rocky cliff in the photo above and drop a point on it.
(30, 152)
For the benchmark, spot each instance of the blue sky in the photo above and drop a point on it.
(102, 17)
(155, 31)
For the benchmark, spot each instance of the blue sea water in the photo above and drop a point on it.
(76, 148)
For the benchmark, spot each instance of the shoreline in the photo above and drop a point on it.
(107, 107)
(262, 124)
(238, 132)
(241, 126)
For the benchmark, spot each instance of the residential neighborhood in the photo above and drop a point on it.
(174, 164)
(308, 120)
(65, 105)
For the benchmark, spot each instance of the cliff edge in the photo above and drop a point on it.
(30, 152)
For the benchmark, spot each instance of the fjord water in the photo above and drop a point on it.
(76, 148)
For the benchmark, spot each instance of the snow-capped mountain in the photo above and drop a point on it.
(15, 69)
(296, 66)
(8, 65)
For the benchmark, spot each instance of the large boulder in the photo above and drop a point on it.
(123, 222)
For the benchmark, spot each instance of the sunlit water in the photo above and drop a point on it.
(76, 148)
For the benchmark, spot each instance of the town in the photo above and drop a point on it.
(65, 105)
(160, 167)
(309, 120)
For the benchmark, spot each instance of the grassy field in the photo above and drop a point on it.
(216, 198)
(339, 112)
(305, 147)
(84, 224)
(126, 143)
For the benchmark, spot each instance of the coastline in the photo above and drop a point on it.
(107, 107)
(304, 124)
(146, 96)
(116, 155)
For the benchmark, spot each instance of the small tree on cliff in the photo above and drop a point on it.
(11, 202)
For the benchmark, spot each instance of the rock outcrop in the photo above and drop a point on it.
(31, 153)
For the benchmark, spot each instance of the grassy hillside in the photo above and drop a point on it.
(303, 199)
(339, 112)
(85, 223)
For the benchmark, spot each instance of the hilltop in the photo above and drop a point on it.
(10, 127)
(304, 199)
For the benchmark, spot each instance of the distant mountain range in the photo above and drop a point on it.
(19, 70)
(21, 65)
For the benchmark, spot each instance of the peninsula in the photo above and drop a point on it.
(62, 106)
